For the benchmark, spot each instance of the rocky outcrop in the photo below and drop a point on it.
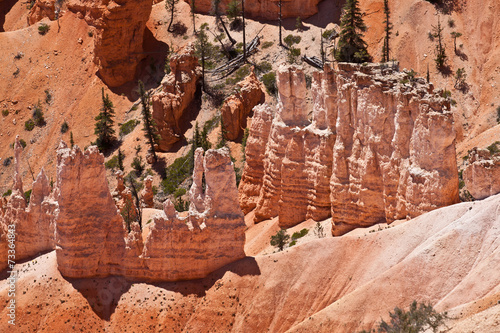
(375, 150)
(237, 107)
(147, 195)
(120, 26)
(34, 224)
(265, 9)
(170, 247)
(178, 92)
(482, 175)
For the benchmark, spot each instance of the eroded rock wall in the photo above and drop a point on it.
(482, 175)
(118, 40)
(178, 92)
(266, 9)
(93, 240)
(237, 107)
(374, 150)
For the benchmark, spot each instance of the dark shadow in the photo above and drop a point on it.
(445, 70)
(115, 145)
(462, 55)
(463, 87)
(5, 7)
(103, 294)
(329, 11)
(159, 166)
(150, 69)
(448, 6)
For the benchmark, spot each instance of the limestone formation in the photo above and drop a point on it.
(168, 248)
(238, 106)
(482, 175)
(178, 92)
(375, 150)
(34, 224)
(147, 195)
(265, 9)
(120, 26)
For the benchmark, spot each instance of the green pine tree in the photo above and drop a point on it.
(387, 28)
(351, 46)
(104, 125)
(149, 124)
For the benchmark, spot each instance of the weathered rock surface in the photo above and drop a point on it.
(147, 194)
(265, 9)
(178, 92)
(238, 106)
(169, 248)
(34, 224)
(482, 175)
(120, 26)
(374, 151)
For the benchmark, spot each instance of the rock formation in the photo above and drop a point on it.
(265, 9)
(482, 175)
(178, 92)
(147, 194)
(34, 223)
(375, 150)
(238, 106)
(120, 26)
(173, 247)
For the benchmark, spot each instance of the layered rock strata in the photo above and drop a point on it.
(120, 26)
(34, 223)
(177, 93)
(265, 9)
(169, 248)
(375, 150)
(482, 175)
(237, 107)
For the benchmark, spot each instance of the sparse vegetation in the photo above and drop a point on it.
(280, 239)
(7, 193)
(71, 140)
(5, 112)
(455, 35)
(460, 77)
(319, 230)
(64, 127)
(43, 28)
(149, 128)
(293, 53)
(269, 81)
(29, 125)
(22, 143)
(48, 96)
(128, 127)
(27, 196)
(7, 161)
(104, 124)
(170, 7)
(351, 46)
(37, 113)
(267, 44)
(244, 142)
(419, 318)
(176, 174)
(493, 148)
(387, 29)
(112, 163)
(440, 51)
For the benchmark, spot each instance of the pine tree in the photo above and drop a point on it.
(243, 32)
(222, 135)
(280, 5)
(193, 8)
(455, 35)
(71, 141)
(218, 19)
(202, 50)
(388, 27)
(149, 124)
(351, 46)
(440, 51)
(121, 157)
(170, 7)
(104, 125)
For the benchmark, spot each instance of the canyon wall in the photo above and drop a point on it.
(178, 90)
(377, 148)
(119, 33)
(168, 248)
(482, 175)
(265, 9)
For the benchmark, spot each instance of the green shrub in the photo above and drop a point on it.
(263, 67)
(176, 173)
(292, 243)
(5, 113)
(7, 161)
(128, 127)
(112, 163)
(23, 143)
(419, 318)
(300, 234)
(48, 96)
(38, 114)
(291, 40)
(180, 205)
(269, 81)
(7, 193)
(319, 231)
(493, 148)
(27, 196)
(29, 125)
(280, 239)
(179, 192)
(64, 127)
(239, 75)
(43, 28)
(136, 164)
(267, 44)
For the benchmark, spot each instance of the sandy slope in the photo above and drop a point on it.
(449, 257)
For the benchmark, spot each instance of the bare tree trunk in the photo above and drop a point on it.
(244, 40)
